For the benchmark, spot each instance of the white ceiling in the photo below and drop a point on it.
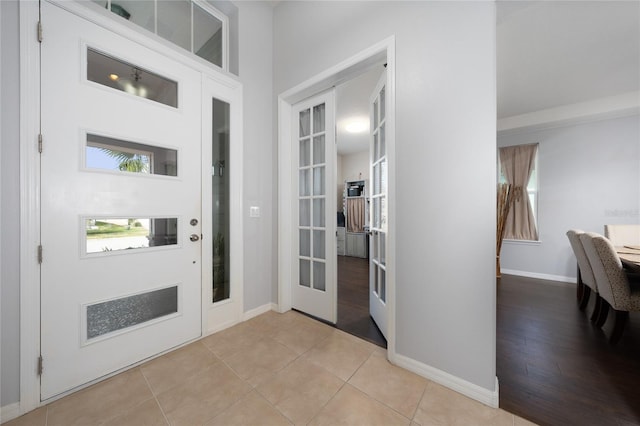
(552, 53)
(549, 53)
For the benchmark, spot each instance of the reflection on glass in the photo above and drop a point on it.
(305, 182)
(305, 212)
(383, 147)
(318, 212)
(126, 77)
(113, 315)
(207, 36)
(114, 234)
(305, 152)
(318, 181)
(318, 244)
(305, 123)
(305, 243)
(220, 198)
(115, 154)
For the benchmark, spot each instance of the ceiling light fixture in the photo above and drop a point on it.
(358, 126)
(114, 77)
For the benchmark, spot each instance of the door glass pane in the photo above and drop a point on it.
(383, 248)
(376, 179)
(376, 213)
(305, 213)
(305, 123)
(375, 113)
(318, 212)
(174, 22)
(114, 234)
(376, 287)
(305, 243)
(383, 148)
(207, 36)
(305, 152)
(383, 285)
(319, 276)
(220, 198)
(305, 182)
(318, 118)
(376, 149)
(305, 272)
(382, 104)
(318, 149)
(141, 13)
(318, 180)
(123, 76)
(318, 244)
(113, 315)
(383, 213)
(118, 155)
(374, 246)
(383, 177)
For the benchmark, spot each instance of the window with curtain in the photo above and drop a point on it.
(517, 166)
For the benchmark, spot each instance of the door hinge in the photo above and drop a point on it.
(39, 31)
(40, 365)
(40, 143)
(39, 254)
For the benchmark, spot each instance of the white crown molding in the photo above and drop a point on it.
(623, 105)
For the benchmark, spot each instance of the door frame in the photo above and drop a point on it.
(30, 176)
(345, 70)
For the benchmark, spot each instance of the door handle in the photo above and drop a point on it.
(194, 237)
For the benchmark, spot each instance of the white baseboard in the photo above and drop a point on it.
(259, 311)
(558, 278)
(9, 412)
(450, 381)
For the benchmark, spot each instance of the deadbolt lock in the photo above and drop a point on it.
(193, 222)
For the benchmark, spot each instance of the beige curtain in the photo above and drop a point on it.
(517, 162)
(355, 214)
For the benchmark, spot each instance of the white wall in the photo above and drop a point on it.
(355, 166)
(10, 192)
(445, 147)
(259, 151)
(589, 176)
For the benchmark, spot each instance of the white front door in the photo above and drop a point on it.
(120, 202)
(314, 243)
(378, 210)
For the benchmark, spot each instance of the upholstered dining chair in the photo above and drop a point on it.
(622, 235)
(613, 286)
(586, 280)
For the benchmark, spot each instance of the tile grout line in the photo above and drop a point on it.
(155, 397)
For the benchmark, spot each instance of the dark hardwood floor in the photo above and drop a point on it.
(353, 300)
(554, 367)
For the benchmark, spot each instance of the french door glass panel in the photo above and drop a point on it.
(220, 200)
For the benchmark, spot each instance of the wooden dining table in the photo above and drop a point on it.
(630, 257)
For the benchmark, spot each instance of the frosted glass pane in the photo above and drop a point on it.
(174, 22)
(305, 273)
(118, 155)
(318, 118)
(318, 149)
(111, 72)
(383, 248)
(305, 123)
(382, 104)
(305, 243)
(383, 147)
(114, 234)
(318, 213)
(207, 36)
(305, 152)
(319, 280)
(305, 213)
(113, 315)
(318, 181)
(318, 244)
(305, 182)
(383, 285)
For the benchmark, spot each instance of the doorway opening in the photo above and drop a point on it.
(353, 204)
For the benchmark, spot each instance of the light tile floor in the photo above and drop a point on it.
(275, 369)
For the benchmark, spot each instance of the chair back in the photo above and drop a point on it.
(623, 235)
(586, 272)
(611, 279)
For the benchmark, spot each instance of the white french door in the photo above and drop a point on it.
(378, 211)
(120, 202)
(314, 245)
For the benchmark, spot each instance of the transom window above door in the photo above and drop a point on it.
(193, 25)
